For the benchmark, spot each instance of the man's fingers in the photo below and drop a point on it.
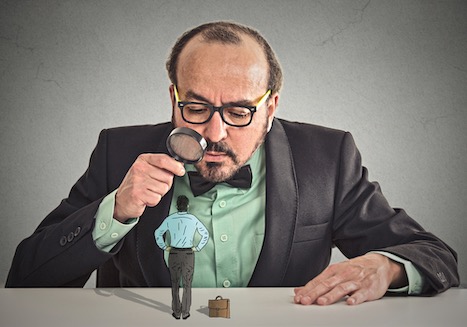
(151, 198)
(327, 292)
(165, 162)
(320, 285)
(360, 296)
(338, 293)
(364, 278)
(146, 182)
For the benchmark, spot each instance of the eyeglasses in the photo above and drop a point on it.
(231, 114)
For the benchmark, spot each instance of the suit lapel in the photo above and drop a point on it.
(281, 210)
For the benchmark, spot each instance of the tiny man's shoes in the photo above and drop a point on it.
(186, 316)
(176, 316)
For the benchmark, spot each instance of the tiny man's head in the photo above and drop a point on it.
(225, 85)
(182, 203)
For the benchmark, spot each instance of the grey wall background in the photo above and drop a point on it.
(393, 73)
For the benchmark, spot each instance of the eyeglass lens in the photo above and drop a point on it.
(201, 113)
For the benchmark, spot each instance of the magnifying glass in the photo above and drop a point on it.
(186, 145)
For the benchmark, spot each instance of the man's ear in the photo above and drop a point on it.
(273, 102)
(172, 94)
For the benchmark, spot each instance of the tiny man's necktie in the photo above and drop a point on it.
(242, 179)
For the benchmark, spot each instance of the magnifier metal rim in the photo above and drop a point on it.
(190, 132)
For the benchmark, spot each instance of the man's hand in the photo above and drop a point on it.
(146, 182)
(364, 278)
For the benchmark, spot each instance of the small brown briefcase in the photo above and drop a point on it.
(219, 307)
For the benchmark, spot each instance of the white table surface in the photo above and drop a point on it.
(249, 307)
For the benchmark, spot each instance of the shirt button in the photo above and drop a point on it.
(222, 204)
(71, 236)
(103, 226)
(63, 240)
(114, 235)
(226, 283)
(224, 238)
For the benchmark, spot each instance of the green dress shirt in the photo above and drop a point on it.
(235, 219)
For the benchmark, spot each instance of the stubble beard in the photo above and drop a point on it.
(218, 172)
(221, 171)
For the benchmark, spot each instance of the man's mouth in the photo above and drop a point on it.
(218, 152)
(214, 156)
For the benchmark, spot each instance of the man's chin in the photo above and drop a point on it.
(216, 171)
(214, 165)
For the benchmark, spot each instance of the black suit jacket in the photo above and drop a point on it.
(318, 196)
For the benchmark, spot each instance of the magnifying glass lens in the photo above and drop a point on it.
(186, 145)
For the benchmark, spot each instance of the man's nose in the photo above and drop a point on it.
(215, 130)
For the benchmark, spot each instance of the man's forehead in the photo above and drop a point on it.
(201, 40)
(222, 60)
(247, 46)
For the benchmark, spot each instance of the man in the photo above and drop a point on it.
(181, 227)
(308, 193)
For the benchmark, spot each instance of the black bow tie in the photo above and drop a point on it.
(242, 179)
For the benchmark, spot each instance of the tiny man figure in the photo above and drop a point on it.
(182, 227)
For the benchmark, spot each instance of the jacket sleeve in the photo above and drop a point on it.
(61, 251)
(364, 221)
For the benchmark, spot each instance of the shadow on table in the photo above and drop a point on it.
(134, 297)
(204, 309)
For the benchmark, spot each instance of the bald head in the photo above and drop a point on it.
(230, 34)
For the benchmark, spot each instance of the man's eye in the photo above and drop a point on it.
(196, 110)
(238, 113)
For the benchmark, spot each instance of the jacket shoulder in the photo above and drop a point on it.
(135, 140)
(306, 135)
(137, 133)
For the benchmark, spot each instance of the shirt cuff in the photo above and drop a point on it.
(415, 278)
(108, 231)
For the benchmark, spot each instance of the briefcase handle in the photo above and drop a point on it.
(218, 297)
